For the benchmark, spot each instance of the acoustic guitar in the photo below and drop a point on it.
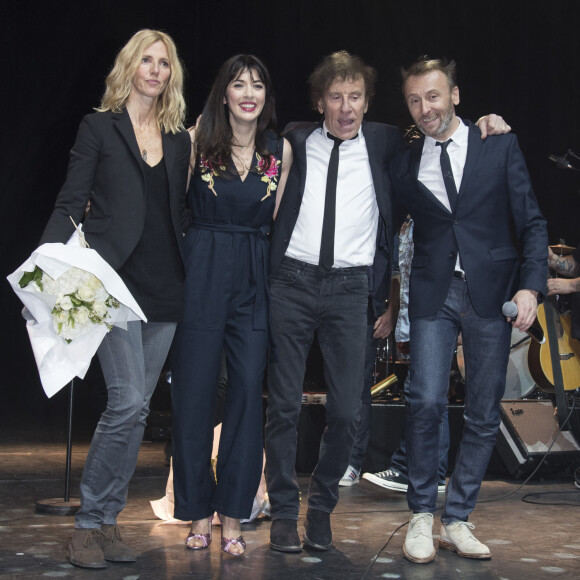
(557, 330)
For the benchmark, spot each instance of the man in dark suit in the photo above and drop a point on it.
(314, 290)
(462, 192)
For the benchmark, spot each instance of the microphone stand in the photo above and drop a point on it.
(67, 506)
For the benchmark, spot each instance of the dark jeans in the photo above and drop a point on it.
(486, 350)
(302, 301)
(363, 431)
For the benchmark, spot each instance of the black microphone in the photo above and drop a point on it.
(510, 309)
(561, 162)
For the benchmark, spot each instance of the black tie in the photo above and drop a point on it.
(327, 242)
(448, 174)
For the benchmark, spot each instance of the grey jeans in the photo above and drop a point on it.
(131, 361)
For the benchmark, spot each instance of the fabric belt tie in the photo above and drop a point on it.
(260, 245)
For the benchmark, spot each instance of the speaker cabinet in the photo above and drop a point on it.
(526, 432)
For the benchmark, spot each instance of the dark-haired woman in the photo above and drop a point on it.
(239, 168)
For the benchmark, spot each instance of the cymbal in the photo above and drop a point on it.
(562, 249)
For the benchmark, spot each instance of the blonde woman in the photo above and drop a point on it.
(130, 161)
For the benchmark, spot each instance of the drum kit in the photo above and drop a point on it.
(391, 367)
(390, 371)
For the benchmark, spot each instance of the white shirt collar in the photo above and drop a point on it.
(460, 137)
(356, 139)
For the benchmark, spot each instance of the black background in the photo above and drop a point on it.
(516, 58)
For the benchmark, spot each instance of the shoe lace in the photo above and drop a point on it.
(92, 537)
(112, 533)
(388, 473)
(421, 525)
(464, 530)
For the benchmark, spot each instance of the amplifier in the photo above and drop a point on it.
(526, 432)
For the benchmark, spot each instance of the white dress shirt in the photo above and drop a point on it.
(430, 168)
(356, 205)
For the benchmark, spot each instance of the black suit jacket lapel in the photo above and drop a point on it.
(415, 164)
(299, 145)
(122, 122)
(474, 147)
(375, 162)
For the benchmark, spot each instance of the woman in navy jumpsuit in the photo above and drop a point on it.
(239, 168)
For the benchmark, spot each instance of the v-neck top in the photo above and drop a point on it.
(232, 200)
(227, 247)
(154, 271)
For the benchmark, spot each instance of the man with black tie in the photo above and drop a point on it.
(332, 229)
(331, 249)
(462, 192)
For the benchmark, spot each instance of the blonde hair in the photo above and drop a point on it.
(170, 105)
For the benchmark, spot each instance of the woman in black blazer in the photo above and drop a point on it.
(130, 161)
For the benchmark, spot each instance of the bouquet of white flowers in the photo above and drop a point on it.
(81, 300)
(74, 298)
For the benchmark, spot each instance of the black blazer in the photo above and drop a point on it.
(105, 166)
(382, 141)
(495, 192)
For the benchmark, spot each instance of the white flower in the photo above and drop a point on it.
(81, 315)
(65, 302)
(93, 282)
(86, 293)
(60, 317)
(100, 309)
(81, 300)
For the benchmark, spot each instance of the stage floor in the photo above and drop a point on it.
(533, 533)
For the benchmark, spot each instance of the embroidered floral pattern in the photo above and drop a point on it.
(269, 176)
(208, 171)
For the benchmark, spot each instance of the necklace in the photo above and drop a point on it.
(244, 160)
(146, 140)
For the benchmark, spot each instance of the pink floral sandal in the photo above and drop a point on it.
(227, 543)
(205, 538)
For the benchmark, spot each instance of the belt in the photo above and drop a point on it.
(260, 252)
(459, 274)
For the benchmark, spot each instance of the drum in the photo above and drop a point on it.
(456, 393)
(519, 383)
(384, 359)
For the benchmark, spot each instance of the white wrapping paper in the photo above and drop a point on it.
(59, 362)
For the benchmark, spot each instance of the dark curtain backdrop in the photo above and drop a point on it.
(518, 58)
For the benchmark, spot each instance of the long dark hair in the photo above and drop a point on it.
(214, 134)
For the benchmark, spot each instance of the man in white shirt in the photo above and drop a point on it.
(317, 289)
(310, 294)
(462, 192)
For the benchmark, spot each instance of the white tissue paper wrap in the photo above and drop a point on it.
(59, 362)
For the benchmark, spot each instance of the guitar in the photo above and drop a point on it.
(557, 329)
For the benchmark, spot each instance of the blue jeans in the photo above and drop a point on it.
(486, 350)
(131, 361)
(399, 457)
(302, 301)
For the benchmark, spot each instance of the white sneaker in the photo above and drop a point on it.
(418, 546)
(457, 536)
(350, 477)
